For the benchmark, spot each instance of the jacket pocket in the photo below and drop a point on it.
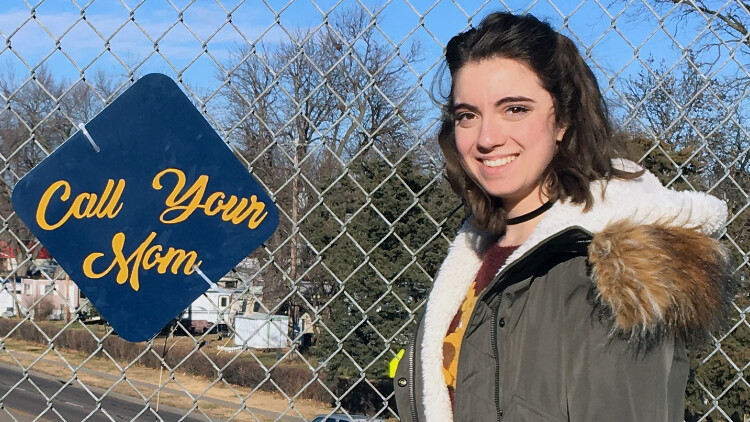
(521, 410)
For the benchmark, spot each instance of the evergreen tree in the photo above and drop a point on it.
(381, 238)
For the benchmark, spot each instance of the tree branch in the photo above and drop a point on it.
(733, 22)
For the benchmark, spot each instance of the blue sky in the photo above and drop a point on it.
(84, 42)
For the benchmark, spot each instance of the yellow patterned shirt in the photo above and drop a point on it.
(495, 257)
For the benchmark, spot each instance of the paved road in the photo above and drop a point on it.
(28, 399)
(24, 413)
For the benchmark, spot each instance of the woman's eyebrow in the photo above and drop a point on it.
(517, 99)
(465, 106)
(498, 103)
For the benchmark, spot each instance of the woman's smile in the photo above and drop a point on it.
(498, 162)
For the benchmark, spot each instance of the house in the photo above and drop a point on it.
(9, 263)
(49, 299)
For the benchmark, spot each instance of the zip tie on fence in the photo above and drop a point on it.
(211, 283)
(86, 133)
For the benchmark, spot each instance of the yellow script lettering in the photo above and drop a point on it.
(84, 205)
(144, 256)
(180, 205)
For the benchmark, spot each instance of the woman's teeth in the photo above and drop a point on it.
(500, 161)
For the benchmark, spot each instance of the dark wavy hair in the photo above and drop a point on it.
(588, 146)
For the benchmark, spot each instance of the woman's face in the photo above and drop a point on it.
(505, 130)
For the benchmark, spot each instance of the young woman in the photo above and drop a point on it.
(572, 288)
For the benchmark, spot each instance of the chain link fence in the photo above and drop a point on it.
(332, 106)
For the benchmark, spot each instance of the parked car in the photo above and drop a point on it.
(342, 417)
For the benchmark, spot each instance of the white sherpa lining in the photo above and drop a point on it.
(643, 200)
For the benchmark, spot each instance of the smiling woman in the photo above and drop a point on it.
(505, 130)
(562, 298)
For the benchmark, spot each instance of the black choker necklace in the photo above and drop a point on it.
(529, 215)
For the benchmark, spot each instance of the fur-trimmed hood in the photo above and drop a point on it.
(654, 258)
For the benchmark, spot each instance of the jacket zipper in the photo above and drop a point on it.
(493, 329)
(496, 352)
(412, 355)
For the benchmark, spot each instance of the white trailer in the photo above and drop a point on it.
(209, 311)
(8, 304)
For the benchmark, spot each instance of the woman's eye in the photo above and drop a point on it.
(465, 119)
(516, 110)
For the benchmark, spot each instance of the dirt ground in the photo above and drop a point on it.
(219, 400)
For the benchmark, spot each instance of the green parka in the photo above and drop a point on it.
(588, 319)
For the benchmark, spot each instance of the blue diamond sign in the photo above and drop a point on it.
(144, 207)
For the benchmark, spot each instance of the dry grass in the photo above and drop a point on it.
(141, 382)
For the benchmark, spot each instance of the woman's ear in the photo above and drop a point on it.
(561, 132)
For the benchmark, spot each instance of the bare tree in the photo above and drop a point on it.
(731, 18)
(374, 102)
(300, 110)
(695, 119)
(39, 114)
(31, 126)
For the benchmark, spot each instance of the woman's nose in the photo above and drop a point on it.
(491, 134)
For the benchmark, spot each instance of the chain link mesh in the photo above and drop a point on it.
(333, 107)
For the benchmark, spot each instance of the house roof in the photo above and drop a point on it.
(7, 252)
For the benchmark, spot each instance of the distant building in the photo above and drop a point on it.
(42, 262)
(10, 295)
(216, 309)
(49, 299)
